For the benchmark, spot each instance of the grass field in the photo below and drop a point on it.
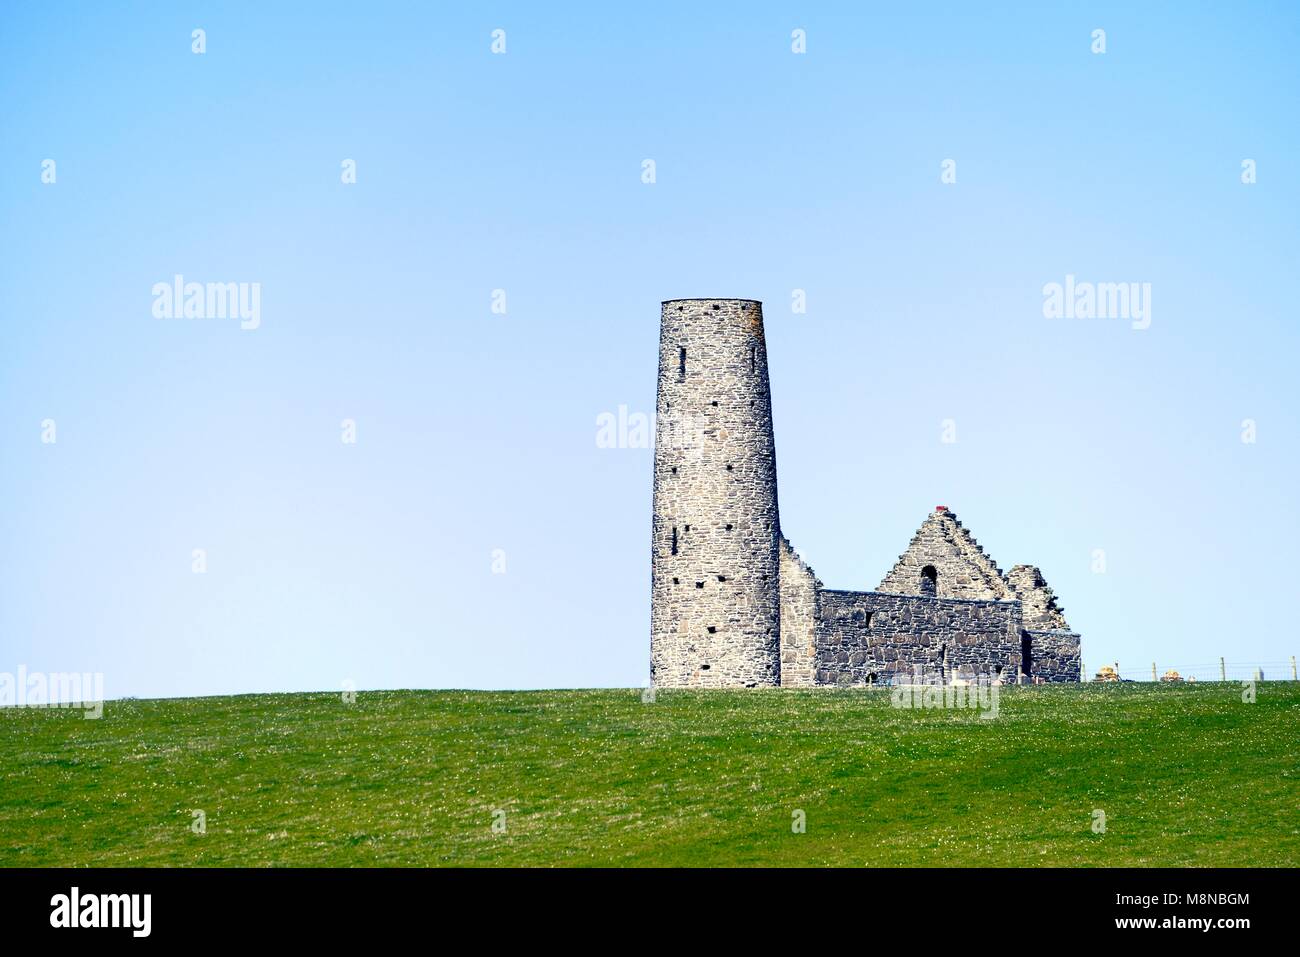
(1186, 775)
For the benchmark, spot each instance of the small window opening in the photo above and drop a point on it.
(714, 403)
(730, 466)
(674, 469)
(713, 629)
(676, 581)
(704, 667)
(699, 584)
(929, 581)
(729, 526)
(722, 578)
(674, 551)
(681, 363)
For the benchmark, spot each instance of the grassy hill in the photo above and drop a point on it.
(1186, 775)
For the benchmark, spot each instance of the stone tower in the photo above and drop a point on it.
(715, 593)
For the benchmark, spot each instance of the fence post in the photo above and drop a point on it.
(1223, 671)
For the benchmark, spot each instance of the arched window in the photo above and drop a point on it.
(929, 581)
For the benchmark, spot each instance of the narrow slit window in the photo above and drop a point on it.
(674, 540)
(753, 358)
(681, 363)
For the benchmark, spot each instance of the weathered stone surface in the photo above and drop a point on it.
(867, 637)
(1054, 655)
(799, 591)
(1041, 610)
(733, 604)
(716, 616)
(961, 569)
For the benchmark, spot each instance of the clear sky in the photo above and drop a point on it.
(372, 562)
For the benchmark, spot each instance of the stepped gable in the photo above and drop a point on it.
(945, 561)
(1041, 612)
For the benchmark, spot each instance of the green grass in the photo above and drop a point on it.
(1186, 775)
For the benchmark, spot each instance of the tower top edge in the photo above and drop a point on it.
(667, 301)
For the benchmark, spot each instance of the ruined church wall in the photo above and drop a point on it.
(1055, 655)
(1041, 610)
(864, 634)
(799, 591)
(963, 568)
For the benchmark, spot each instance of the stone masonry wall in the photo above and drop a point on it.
(1054, 656)
(866, 637)
(1041, 610)
(715, 596)
(732, 603)
(963, 570)
(799, 592)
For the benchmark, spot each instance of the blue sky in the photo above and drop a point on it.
(372, 562)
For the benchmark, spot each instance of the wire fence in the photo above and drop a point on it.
(1221, 670)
